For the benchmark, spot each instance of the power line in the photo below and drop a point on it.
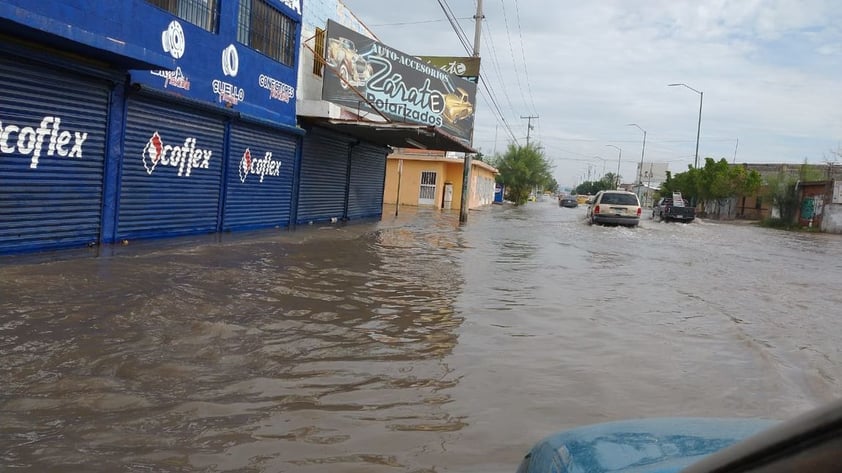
(499, 112)
(496, 108)
(457, 28)
(460, 33)
(417, 22)
(496, 68)
(512, 51)
(523, 57)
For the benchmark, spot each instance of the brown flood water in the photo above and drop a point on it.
(411, 344)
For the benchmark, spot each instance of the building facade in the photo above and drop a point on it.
(342, 170)
(157, 118)
(140, 119)
(430, 178)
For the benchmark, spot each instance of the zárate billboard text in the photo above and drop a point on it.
(396, 84)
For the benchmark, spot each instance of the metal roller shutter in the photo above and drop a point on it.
(171, 172)
(52, 153)
(324, 173)
(261, 170)
(368, 174)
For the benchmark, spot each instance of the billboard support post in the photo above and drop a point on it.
(466, 166)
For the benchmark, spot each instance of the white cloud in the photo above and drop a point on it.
(770, 71)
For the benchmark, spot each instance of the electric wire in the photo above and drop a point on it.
(496, 68)
(460, 33)
(523, 58)
(512, 51)
(457, 28)
(421, 22)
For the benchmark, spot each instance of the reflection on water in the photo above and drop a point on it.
(411, 344)
(263, 354)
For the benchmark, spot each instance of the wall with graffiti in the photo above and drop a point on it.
(812, 207)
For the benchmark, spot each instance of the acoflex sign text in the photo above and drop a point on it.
(185, 158)
(31, 141)
(265, 166)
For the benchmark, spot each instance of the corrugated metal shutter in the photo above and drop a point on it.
(324, 172)
(171, 171)
(368, 174)
(55, 199)
(261, 170)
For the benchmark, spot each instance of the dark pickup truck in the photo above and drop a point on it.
(666, 210)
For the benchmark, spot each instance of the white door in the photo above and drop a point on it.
(427, 195)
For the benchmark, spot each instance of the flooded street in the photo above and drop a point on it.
(411, 344)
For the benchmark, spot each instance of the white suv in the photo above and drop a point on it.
(615, 208)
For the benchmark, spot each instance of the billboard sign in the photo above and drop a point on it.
(467, 67)
(652, 173)
(398, 85)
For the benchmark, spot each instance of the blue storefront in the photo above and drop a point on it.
(52, 153)
(139, 119)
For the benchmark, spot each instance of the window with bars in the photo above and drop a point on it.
(266, 30)
(202, 13)
(427, 194)
(320, 52)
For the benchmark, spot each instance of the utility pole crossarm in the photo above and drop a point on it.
(529, 119)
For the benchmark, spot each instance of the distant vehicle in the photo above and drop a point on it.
(457, 106)
(583, 199)
(353, 69)
(673, 208)
(568, 201)
(615, 208)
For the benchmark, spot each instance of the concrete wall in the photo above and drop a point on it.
(482, 186)
(409, 181)
(721, 209)
(832, 221)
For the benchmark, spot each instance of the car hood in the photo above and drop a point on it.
(662, 445)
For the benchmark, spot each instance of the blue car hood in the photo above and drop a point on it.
(661, 445)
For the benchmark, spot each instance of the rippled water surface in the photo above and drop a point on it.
(411, 344)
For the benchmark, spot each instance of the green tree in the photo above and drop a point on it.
(781, 192)
(716, 181)
(552, 186)
(522, 169)
(810, 173)
(592, 187)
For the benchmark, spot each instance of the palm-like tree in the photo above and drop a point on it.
(522, 168)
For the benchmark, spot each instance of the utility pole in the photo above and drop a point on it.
(466, 171)
(528, 126)
(735, 151)
(496, 126)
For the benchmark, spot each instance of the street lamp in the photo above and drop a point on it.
(619, 158)
(642, 150)
(699, 127)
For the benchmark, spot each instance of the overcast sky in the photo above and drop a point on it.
(770, 71)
